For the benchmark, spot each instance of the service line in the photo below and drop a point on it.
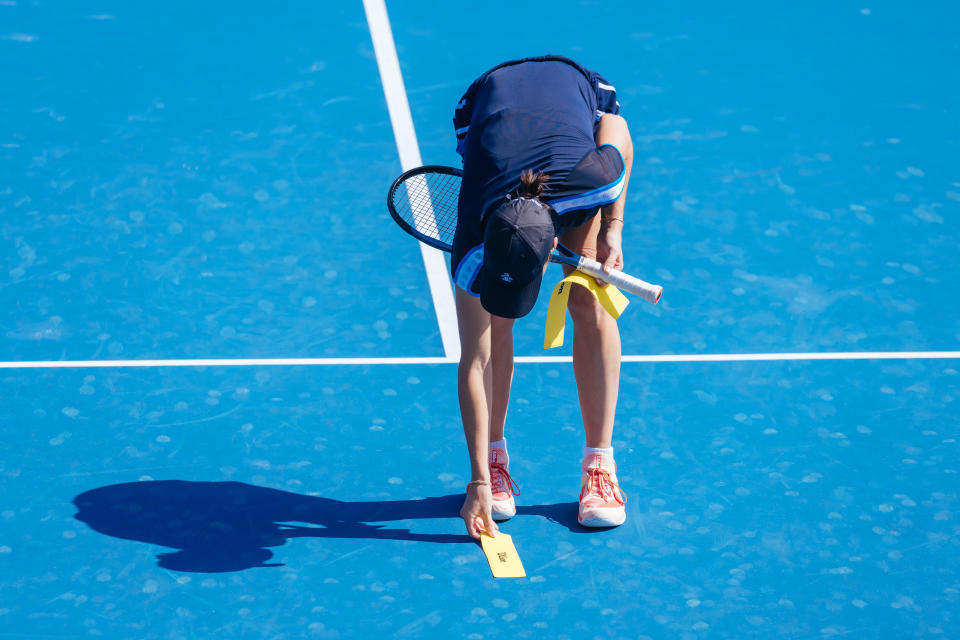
(342, 362)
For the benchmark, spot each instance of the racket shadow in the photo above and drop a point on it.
(230, 526)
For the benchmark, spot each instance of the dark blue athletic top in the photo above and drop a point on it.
(538, 114)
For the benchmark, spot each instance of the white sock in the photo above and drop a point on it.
(592, 451)
(500, 444)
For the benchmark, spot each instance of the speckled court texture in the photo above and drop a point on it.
(207, 180)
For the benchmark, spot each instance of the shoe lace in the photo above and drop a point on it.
(500, 479)
(604, 484)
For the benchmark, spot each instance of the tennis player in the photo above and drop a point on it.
(545, 157)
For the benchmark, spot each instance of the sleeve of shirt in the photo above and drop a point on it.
(606, 95)
(462, 115)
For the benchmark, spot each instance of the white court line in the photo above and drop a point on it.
(438, 277)
(320, 362)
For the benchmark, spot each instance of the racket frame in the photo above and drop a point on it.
(563, 255)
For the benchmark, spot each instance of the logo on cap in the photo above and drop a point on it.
(506, 277)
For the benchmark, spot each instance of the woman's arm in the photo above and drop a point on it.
(474, 389)
(613, 130)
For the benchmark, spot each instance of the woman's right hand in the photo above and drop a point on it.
(476, 511)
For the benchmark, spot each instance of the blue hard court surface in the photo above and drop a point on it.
(190, 180)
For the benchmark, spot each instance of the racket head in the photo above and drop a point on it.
(423, 201)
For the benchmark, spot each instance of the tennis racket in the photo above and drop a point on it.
(423, 201)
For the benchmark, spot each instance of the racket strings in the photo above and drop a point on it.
(428, 203)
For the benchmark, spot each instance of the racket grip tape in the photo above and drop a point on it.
(649, 292)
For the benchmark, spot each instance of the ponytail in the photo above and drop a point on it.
(532, 184)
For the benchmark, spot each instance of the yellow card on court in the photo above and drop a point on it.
(502, 556)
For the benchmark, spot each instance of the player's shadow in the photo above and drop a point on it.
(229, 526)
(563, 513)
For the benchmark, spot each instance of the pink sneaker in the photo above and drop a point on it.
(502, 486)
(601, 500)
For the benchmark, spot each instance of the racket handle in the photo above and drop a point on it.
(649, 292)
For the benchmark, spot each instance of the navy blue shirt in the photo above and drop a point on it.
(534, 114)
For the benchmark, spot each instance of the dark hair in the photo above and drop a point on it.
(532, 184)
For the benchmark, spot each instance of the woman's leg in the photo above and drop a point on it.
(596, 337)
(596, 347)
(502, 371)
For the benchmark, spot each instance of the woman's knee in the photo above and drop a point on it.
(616, 121)
(473, 364)
(584, 307)
(613, 130)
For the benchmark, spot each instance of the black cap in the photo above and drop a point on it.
(517, 243)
